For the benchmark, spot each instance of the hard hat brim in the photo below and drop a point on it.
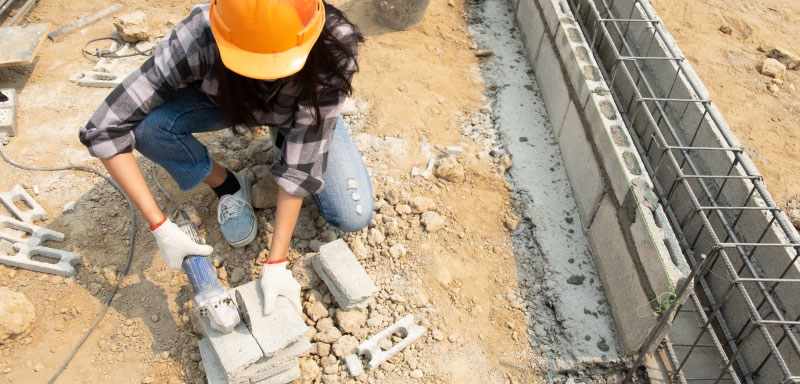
(265, 66)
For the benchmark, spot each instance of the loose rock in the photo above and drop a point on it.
(263, 193)
(421, 204)
(132, 27)
(789, 59)
(397, 250)
(375, 237)
(449, 169)
(432, 221)
(351, 321)
(316, 310)
(16, 313)
(309, 369)
(345, 346)
(773, 68)
(304, 272)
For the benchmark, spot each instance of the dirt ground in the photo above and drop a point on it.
(767, 123)
(414, 91)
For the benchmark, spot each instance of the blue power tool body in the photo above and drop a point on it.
(211, 299)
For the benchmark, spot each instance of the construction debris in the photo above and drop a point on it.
(372, 348)
(64, 261)
(344, 275)
(36, 212)
(132, 27)
(15, 231)
(8, 112)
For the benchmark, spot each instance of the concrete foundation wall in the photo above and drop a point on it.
(634, 247)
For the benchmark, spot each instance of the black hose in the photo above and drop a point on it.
(122, 273)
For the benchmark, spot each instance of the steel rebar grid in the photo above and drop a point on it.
(665, 129)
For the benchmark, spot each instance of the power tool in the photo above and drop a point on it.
(211, 299)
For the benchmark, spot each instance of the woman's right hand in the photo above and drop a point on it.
(175, 245)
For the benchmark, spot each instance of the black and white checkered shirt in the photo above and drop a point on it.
(186, 58)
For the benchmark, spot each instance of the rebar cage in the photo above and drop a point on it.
(739, 323)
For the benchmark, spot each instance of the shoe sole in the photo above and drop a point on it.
(246, 240)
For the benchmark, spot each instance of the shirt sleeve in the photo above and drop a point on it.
(177, 61)
(304, 154)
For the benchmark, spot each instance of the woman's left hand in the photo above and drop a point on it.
(276, 281)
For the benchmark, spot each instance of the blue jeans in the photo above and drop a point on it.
(165, 137)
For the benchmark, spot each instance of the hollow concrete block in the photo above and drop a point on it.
(63, 266)
(581, 164)
(343, 274)
(38, 235)
(36, 212)
(377, 356)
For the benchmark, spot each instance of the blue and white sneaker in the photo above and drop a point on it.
(236, 217)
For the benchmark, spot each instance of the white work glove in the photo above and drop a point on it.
(276, 281)
(176, 245)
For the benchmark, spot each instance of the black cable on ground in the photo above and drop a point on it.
(109, 54)
(122, 273)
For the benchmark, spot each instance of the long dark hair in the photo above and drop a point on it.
(325, 67)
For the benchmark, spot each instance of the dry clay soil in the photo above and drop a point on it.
(767, 124)
(416, 86)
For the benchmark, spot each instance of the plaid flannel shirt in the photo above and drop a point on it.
(186, 58)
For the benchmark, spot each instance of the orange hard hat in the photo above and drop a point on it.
(266, 39)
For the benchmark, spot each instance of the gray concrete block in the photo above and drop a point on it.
(514, 5)
(215, 374)
(614, 145)
(8, 112)
(531, 27)
(36, 212)
(582, 166)
(282, 378)
(271, 375)
(551, 81)
(377, 356)
(343, 274)
(280, 362)
(284, 318)
(582, 71)
(37, 235)
(630, 306)
(235, 351)
(552, 11)
(63, 266)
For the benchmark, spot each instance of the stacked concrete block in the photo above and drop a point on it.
(27, 240)
(8, 112)
(343, 274)
(374, 354)
(627, 229)
(36, 212)
(268, 353)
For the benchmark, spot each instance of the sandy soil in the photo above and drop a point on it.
(416, 86)
(767, 124)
